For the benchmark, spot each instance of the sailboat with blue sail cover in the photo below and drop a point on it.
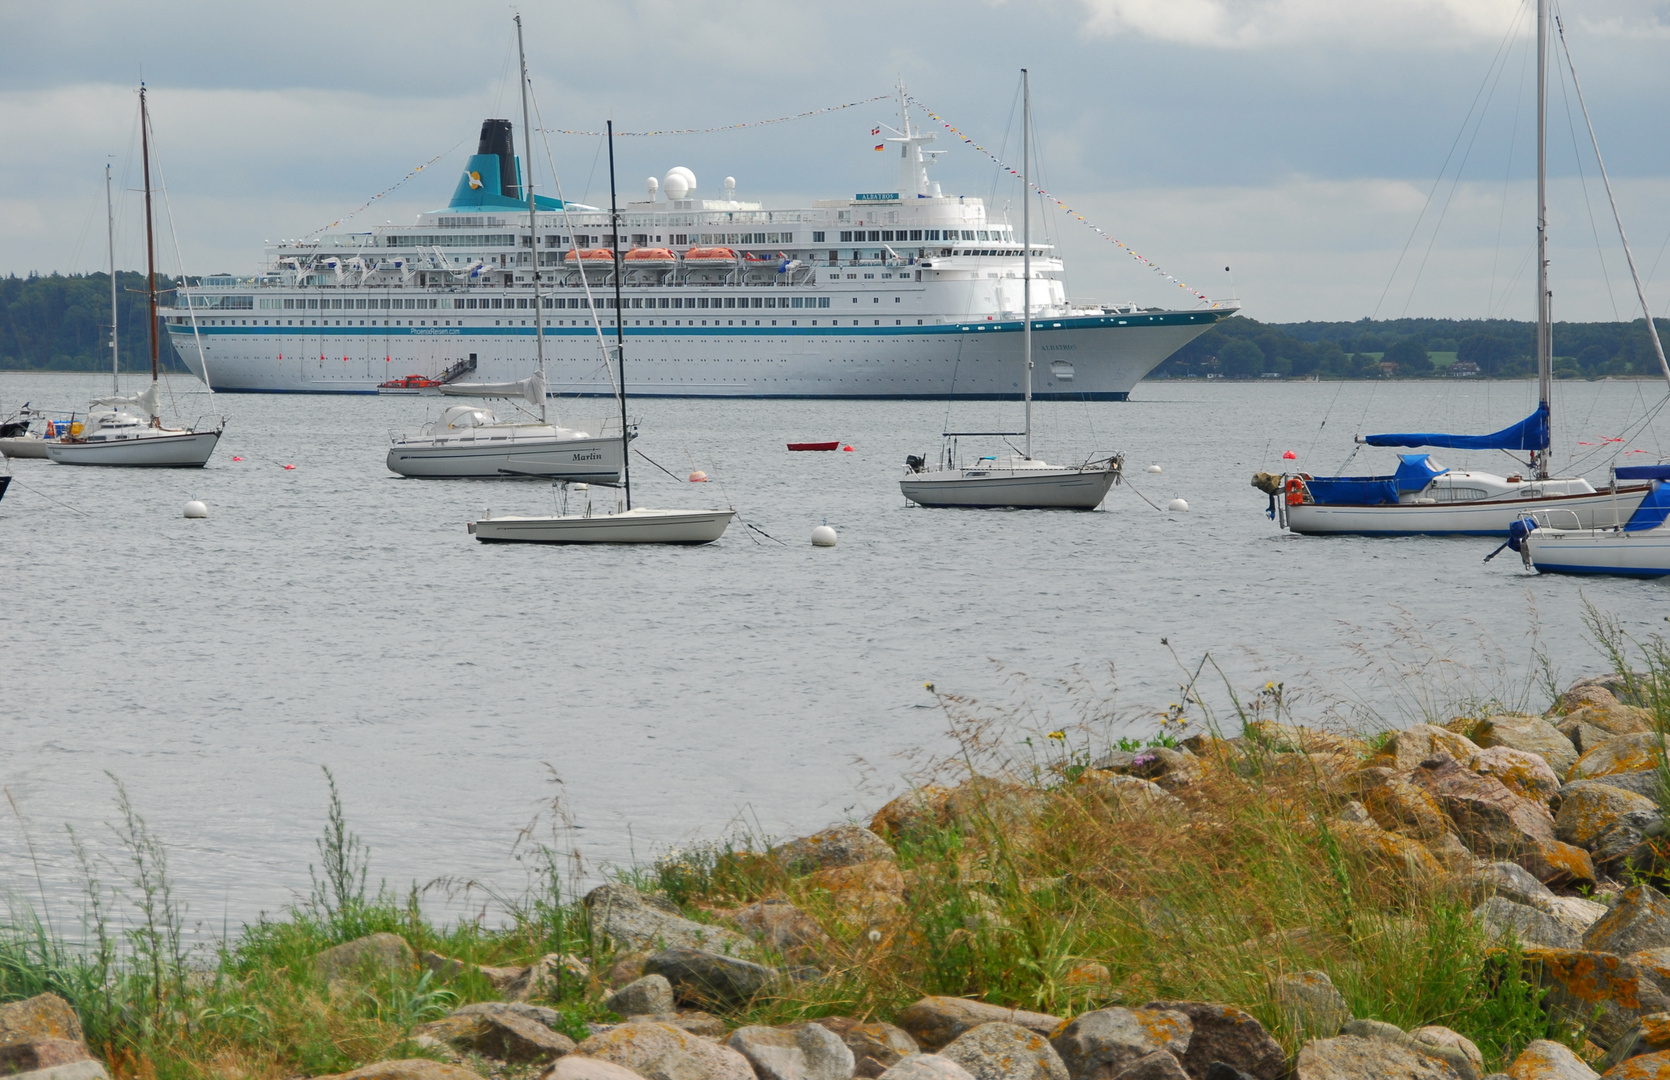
(1422, 497)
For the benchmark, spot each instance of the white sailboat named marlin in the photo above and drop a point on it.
(469, 441)
(629, 526)
(1423, 497)
(1018, 481)
(127, 430)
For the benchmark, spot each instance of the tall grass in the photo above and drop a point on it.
(1028, 880)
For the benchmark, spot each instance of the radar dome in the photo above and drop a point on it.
(653, 185)
(679, 182)
(730, 184)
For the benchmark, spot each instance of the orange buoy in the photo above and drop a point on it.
(289, 466)
(847, 448)
(237, 459)
(1289, 456)
(698, 477)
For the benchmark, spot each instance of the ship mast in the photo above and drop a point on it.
(1026, 248)
(150, 240)
(1545, 326)
(620, 333)
(533, 219)
(110, 235)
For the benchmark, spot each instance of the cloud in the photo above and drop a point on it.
(1360, 24)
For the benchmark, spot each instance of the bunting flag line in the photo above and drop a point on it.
(725, 127)
(362, 206)
(1000, 163)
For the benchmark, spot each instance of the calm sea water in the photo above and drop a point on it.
(336, 615)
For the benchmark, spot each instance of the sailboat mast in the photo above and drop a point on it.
(1026, 248)
(1545, 325)
(620, 333)
(150, 239)
(533, 219)
(110, 236)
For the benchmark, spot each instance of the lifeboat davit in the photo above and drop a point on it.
(590, 258)
(710, 256)
(650, 259)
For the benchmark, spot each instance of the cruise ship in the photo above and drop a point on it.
(910, 293)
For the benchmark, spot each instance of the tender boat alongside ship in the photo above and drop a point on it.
(905, 293)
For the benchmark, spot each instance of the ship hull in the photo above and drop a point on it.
(1099, 357)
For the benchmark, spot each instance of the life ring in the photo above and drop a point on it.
(1295, 491)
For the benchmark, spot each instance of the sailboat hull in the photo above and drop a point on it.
(1600, 551)
(23, 446)
(639, 526)
(186, 450)
(596, 461)
(1023, 489)
(1597, 511)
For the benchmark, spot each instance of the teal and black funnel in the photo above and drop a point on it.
(493, 177)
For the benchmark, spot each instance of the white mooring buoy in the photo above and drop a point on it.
(195, 509)
(1178, 505)
(1153, 469)
(823, 536)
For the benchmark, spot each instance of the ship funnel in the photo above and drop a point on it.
(498, 140)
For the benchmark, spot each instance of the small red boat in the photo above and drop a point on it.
(836, 445)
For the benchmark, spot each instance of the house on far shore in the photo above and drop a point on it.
(1464, 369)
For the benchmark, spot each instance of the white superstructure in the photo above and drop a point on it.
(894, 294)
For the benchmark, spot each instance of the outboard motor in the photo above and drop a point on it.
(916, 463)
(1518, 531)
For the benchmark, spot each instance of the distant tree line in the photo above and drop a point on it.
(62, 322)
(1243, 348)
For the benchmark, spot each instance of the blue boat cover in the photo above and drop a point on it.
(1653, 509)
(1530, 433)
(1414, 472)
(1643, 472)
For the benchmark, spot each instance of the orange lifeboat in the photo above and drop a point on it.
(710, 256)
(590, 258)
(649, 259)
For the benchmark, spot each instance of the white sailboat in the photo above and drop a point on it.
(1422, 497)
(1550, 542)
(1019, 480)
(629, 525)
(471, 442)
(127, 430)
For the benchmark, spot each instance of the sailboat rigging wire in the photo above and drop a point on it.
(1583, 182)
(1460, 131)
(1325, 414)
(48, 498)
(657, 464)
(191, 309)
(1507, 178)
(723, 127)
(1080, 218)
(1640, 293)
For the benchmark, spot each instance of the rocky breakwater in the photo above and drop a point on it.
(1284, 904)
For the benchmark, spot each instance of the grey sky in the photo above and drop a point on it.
(1294, 140)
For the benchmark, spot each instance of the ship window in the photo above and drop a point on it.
(968, 234)
(817, 236)
(663, 302)
(498, 302)
(771, 301)
(823, 301)
(875, 236)
(470, 303)
(730, 301)
(985, 234)
(887, 234)
(916, 234)
(758, 302)
(702, 302)
(795, 302)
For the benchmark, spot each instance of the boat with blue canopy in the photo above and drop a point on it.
(1422, 497)
(1550, 543)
